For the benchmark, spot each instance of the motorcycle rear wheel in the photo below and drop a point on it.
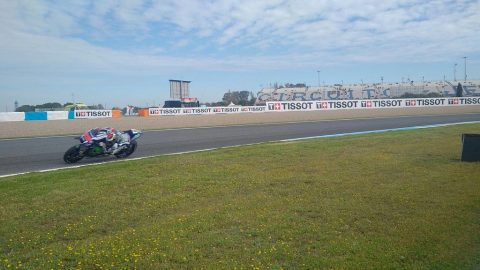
(72, 155)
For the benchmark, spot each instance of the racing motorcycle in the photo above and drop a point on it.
(126, 146)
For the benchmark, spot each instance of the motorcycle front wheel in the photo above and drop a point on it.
(128, 151)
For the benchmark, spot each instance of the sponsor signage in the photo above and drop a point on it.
(368, 104)
(84, 114)
(275, 106)
(205, 110)
(321, 105)
(291, 106)
(254, 109)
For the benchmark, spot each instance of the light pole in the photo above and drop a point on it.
(455, 72)
(318, 74)
(465, 58)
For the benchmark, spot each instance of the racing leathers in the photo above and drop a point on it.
(108, 138)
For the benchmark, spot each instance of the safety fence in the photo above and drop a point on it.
(278, 106)
(58, 115)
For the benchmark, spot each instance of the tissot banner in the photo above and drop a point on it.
(368, 104)
(205, 110)
(93, 113)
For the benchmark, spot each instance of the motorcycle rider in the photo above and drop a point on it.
(108, 138)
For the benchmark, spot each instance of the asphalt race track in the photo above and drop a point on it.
(34, 154)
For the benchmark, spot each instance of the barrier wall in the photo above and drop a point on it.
(92, 114)
(116, 113)
(204, 110)
(32, 116)
(58, 115)
(278, 106)
(322, 105)
(12, 116)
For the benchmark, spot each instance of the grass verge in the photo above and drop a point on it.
(391, 200)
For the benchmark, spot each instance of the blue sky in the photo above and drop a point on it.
(119, 52)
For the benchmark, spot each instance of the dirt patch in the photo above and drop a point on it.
(78, 126)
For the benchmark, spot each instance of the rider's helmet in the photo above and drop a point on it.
(111, 134)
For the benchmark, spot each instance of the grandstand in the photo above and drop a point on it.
(368, 91)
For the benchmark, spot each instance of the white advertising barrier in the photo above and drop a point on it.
(59, 115)
(205, 110)
(90, 114)
(12, 116)
(322, 105)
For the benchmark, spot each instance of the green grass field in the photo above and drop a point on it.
(396, 200)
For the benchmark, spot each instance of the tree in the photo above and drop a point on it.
(227, 98)
(253, 99)
(237, 98)
(459, 92)
(96, 107)
(50, 105)
(214, 104)
(25, 108)
(244, 98)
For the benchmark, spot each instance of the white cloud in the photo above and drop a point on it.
(279, 33)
